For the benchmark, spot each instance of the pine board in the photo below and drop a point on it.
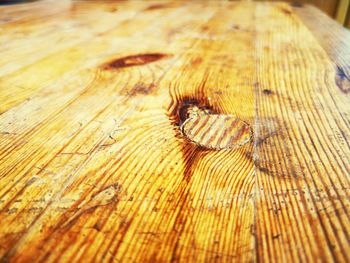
(93, 163)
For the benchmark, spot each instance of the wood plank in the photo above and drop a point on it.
(163, 184)
(94, 165)
(303, 150)
(334, 39)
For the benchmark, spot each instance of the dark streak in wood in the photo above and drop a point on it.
(235, 27)
(141, 89)
(196, 61)
(267, 91)
(156, 7)
(98, 226)
(296, 4)
(259, 141)
(112, 9)
(285, 11)
(133, 60)
(276, 236)
(180, 114)
(264, 170)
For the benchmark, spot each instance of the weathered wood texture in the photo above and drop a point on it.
(93, 164)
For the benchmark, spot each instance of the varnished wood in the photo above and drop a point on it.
(96, 163)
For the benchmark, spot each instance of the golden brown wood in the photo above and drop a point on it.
(303, 160)
(94, 166)
(333, 38)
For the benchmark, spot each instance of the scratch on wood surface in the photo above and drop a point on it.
(105, 196)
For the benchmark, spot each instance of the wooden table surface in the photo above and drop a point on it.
(94, 165)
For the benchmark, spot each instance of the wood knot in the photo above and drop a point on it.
(133, 60)
(212, 130)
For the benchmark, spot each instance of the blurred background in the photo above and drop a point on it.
(337, 9)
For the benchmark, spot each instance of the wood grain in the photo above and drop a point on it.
(333, 38)
(93, 163)
(303, 169)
